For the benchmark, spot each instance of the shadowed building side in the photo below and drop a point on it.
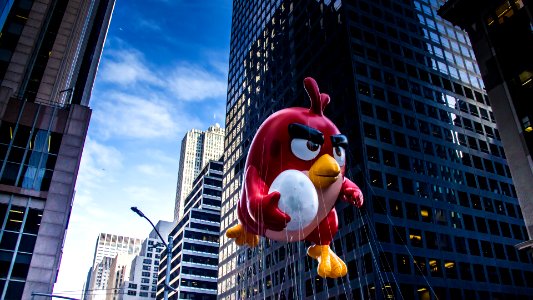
(502, 39)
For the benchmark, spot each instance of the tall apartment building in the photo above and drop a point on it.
(141, 282)
(197, 149)
(49, 53)
(106, 249)
(194, 266)
(118, 274)
(441, 216)
(502, 39)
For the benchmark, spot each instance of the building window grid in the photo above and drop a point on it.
(14, 270)
(230, 196)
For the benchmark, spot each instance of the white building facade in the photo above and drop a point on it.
(197, 149)
(107, 248)
(141, 282)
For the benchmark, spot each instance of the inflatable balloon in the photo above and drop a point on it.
(294, 175)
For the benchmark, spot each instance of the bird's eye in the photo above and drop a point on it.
(340, 155)
(312, 146)
(304, 149)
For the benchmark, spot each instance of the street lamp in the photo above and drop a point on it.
(169, 251)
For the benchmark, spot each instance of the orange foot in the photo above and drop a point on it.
(329, 264)
(241, 236)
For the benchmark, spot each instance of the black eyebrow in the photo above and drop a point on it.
(305, 132)
(339, 140)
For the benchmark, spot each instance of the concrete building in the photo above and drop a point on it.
(118, 274)
(106, 249)
(196, 236)
(49, 53)
(141, 282)
(502, 40)
(197, 149)
(441, 215)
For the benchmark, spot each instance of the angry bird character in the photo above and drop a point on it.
(294, 174)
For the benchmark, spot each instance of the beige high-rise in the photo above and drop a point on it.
(197, 149)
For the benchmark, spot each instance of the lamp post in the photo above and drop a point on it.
(169, 251)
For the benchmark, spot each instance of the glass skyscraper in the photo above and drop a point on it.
(441, 216)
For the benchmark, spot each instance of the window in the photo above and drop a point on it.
(479, 273)
(420, 265)
(464, 270)
(474, 247)
(396, 208)
(435, 267)
(385, 135)
(431, 240)
(364, 88)
(399, 139)
(392, 182)
(382, 231)
(370, 131)
(481, 225)
(450, 269)
(375, 178)
(411, 211)
(402, 263)
(426, 214)
(372, 154)
(460, 245)
(388, 158)
(415, 236)
(379, 205)
(399, 235)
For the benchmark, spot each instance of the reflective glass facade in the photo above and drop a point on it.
(20, 226)
(441, 216)
(502, 39)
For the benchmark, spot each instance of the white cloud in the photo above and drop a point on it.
(97, 162)
(153, 170)
(132, 116)
(193, 83)
(127, 67)
(187, 82)
(149, 25)
(142, 194)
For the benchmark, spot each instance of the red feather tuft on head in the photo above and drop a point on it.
(318, 100)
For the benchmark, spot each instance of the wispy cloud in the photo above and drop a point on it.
(127, 67)
(131, 116)
(97, 162)
(140, 101)
(142, 195)
(194, 83)
(151, 25)
(187, 82)
(153, 170)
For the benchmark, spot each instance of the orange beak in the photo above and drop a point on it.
(324, 171)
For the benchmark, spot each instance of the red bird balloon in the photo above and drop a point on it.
(294, 176)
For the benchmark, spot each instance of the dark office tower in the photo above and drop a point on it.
(502, 39)
(194, 266)
(441, 216)
(49, 52)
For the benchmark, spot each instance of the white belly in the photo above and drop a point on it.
(306, 205)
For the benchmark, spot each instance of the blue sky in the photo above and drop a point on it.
(163, 71)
